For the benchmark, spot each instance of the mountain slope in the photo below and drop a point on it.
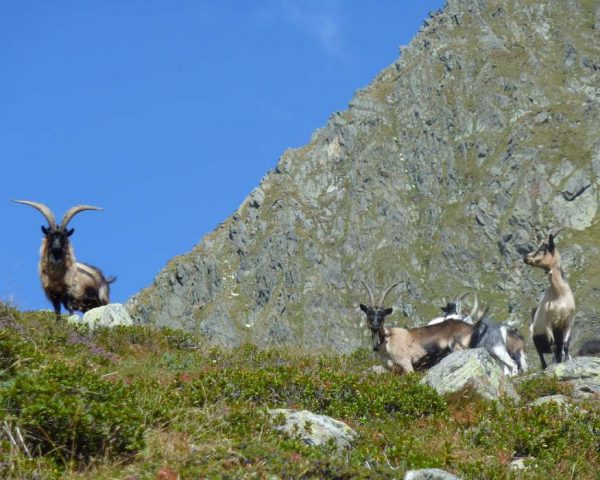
(441, 174)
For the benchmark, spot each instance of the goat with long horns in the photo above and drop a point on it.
(75, 285)
(407, 349)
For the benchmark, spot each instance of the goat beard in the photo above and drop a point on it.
(376, 340)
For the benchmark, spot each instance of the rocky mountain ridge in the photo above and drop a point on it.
(441, 174)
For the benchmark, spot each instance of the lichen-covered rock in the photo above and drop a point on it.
(109, 315)
(582, 372)
(558, 399)
(312, 428)
(429, 474)
(475, 369)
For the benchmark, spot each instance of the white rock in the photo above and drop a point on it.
(429, 474)
(314, 429)
(109, 315)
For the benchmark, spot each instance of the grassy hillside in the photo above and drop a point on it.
(143, 403)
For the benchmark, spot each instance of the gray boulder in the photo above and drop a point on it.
(582, 372)
(558, 399)
(474, 369)
(109, 315)
(429, 474)
(312, 428)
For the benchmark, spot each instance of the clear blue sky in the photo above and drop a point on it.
(166, 114)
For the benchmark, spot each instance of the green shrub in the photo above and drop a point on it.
(72, 414)
(14, 351)
(536, 431)
(344, 395)
(542, 386)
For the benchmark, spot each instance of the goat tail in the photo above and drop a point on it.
(111, 279)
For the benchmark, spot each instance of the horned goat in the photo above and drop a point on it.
(453, 311)
(553, 318)
(407, 349)
(503, 342)
(75, 285)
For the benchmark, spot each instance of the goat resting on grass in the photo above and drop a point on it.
(453, 311)
(407, 349)
(75, 285)
(553, 318)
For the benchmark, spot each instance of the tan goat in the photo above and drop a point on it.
(553, 318)
(407, 349)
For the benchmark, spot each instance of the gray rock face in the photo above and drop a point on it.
(475, 369)
(314, 429)
(441, 174)
(429, 474)
(109, 315)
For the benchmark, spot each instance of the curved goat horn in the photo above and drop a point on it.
(555, 231)
(46, 212)
(475, 313)
(370, 293)
(74, 211)
(461, 298)
(386, 293)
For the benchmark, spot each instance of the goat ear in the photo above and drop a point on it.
(551, 245)
(70, 232)
(388, 311)
(364, 308)
(44, 230)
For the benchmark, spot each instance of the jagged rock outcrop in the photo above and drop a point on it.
(441, 174)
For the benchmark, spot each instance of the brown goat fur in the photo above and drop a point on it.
(67, 282)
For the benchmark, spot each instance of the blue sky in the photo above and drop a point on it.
(166, 114)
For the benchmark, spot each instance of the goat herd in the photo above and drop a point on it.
(407, 349)
(79, 286)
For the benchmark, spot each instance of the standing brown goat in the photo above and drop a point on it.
(553, 318)
(75, 285)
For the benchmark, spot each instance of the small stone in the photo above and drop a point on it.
(429, 474)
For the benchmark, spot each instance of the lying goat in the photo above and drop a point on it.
(407, 349)
(75, 285)
(505, 344)
(453, 311)
(553, 318)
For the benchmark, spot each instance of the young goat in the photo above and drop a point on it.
(553, 317)
(75, 285)
(404, 350)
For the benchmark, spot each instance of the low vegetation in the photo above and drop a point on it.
(142, 403)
